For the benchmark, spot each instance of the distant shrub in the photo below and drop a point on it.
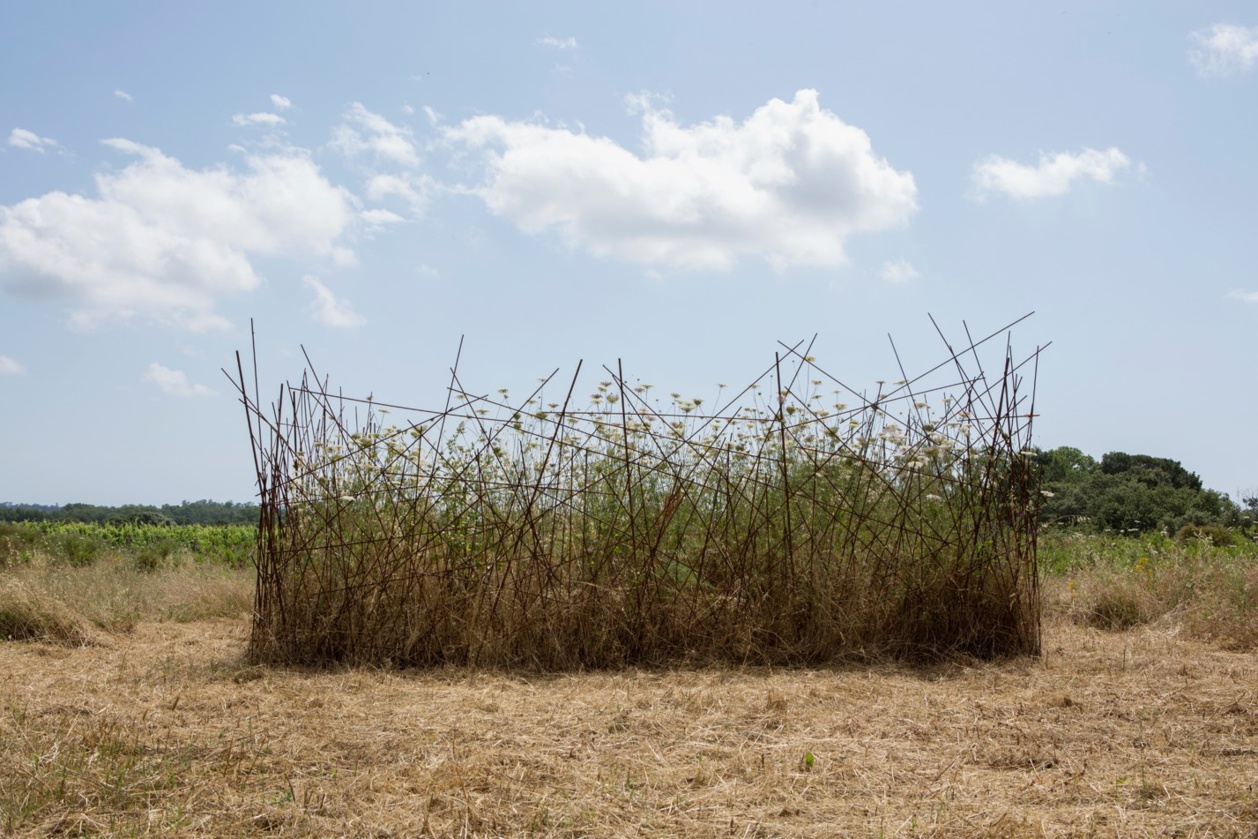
(77, 549)
(156, 556)
(1215, 534)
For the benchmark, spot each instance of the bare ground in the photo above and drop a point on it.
(165, 731)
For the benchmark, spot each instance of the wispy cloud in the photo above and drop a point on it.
(173, 382)
(1224, 50)
(163, 241)
(366, 132)
(265, 119)
(123, 95)
(377, 219)
(1241, 294)
(330, 310)
(568, 43)
(898, 271)
(23, 139)
(387, 156)
(9, 367)
(788, 184)
(411, 188)
(281, 102)
(1054, 174)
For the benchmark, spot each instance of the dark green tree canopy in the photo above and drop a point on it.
(1126, 493)
(186, 512)
(1064, 464)
(1150, 471)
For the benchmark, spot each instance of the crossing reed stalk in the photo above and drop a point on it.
(812, 526)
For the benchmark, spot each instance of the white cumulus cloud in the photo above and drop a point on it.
(173, 382)
(898, 271)
(1241, 294)
(263, 118)
(163, 241)
(10, 367)
(789, 184)
(1224, 49)
(568, 43)
(1053, 175)
(23, 139)
(123, 95)
(281, 102)
(365, 132)
(330, 310)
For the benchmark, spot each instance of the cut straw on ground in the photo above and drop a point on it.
(168, 731)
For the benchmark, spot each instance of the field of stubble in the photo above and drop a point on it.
(164, 730)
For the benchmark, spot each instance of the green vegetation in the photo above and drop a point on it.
(147, 545)
(186, 512)
(1134, 494)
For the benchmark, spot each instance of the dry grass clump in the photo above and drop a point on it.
(779, 528)
(46, 598)
(27, 613)
(1110, 599)
(1118, 734)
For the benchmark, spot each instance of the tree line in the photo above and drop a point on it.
(1133, 493)
(186, 512)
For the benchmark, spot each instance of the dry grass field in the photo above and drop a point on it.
(164, 730)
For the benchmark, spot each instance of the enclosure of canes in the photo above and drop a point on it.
(795, 520)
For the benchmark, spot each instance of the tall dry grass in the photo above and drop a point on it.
(1205, 590)
(48, 598)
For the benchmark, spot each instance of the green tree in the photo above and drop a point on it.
(1064, 464)
(1065, 473)
(17, 513)
(1126, 493)
(1150, 471)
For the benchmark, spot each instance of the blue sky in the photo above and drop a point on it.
(675, 185)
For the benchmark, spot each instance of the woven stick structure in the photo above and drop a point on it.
(797, 522)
